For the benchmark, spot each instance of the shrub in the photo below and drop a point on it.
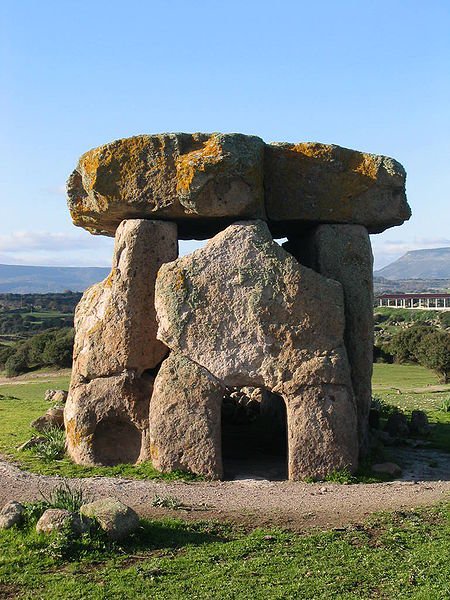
(66, 497)
(445, 406)
(54, 446)
(434, 352)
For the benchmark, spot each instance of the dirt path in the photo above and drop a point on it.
(43, 377)
(293, 505)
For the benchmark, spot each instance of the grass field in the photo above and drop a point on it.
(405, 555)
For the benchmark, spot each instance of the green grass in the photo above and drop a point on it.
(404, 555)
(22, 403)
(405, 377)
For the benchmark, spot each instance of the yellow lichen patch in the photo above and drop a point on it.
(154, 451)
(187, 165)
(76, 436)
(179, 280)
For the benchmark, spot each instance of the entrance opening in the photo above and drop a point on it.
(116, 441)
(254, 435)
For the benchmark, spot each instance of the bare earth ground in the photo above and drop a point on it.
(251, 502)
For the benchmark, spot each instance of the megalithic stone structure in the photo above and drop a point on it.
(240, 312)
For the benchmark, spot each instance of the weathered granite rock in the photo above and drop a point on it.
(185, 419)
(115, 518)
(106, 419)
(249, 313)
(11, 514)
(324, 183)
(59, 519)
(56, 396)
(53, 418)
(171, 176)
(115, 321)
(343, 253)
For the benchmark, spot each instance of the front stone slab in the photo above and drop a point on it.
(246, 311)
(185, 414)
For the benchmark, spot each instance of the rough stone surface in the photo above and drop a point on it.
(185, 419)
(172, 176)
(343, 253)
(206, 181)
(11, 514)
(249, 313)
(107, 419)
(58, 519)
(54, 417)
(324, 183)
(114, 517)
(115, 321)
(56, 396)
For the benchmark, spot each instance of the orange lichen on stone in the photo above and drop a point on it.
(188, 165)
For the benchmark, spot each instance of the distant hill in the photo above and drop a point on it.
(19, 279)
(419, 264)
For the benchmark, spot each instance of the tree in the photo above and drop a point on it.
(434, 353)
(405, 344)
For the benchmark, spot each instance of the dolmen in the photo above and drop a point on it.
(162, 338)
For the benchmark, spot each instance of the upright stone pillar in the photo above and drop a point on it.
(116, 350)
(343, 253)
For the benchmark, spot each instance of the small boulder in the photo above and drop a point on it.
(387, 468)
(419, 423)
(54, 417)
(397, 425)
(57, 519)
(115, 518)
(11, 514)
(57, 396)
(36, 440)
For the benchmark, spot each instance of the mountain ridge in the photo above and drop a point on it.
(427, 263)
(26, 279)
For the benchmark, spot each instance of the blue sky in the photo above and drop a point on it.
(371, 75)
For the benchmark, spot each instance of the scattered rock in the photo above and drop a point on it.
(58, 519)
(54, 417)
(397, 425)
(115, 518)
(419, 423)
(387, 468)
(11, 514)
(32, 443)
(56, 396)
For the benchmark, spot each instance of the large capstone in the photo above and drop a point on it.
(246, 311)
(171, 176)
(322, 183)
(204, 182)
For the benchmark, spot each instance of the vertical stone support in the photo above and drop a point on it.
(343, 253)
(185, 419)
(115, 349)
(321, 425)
